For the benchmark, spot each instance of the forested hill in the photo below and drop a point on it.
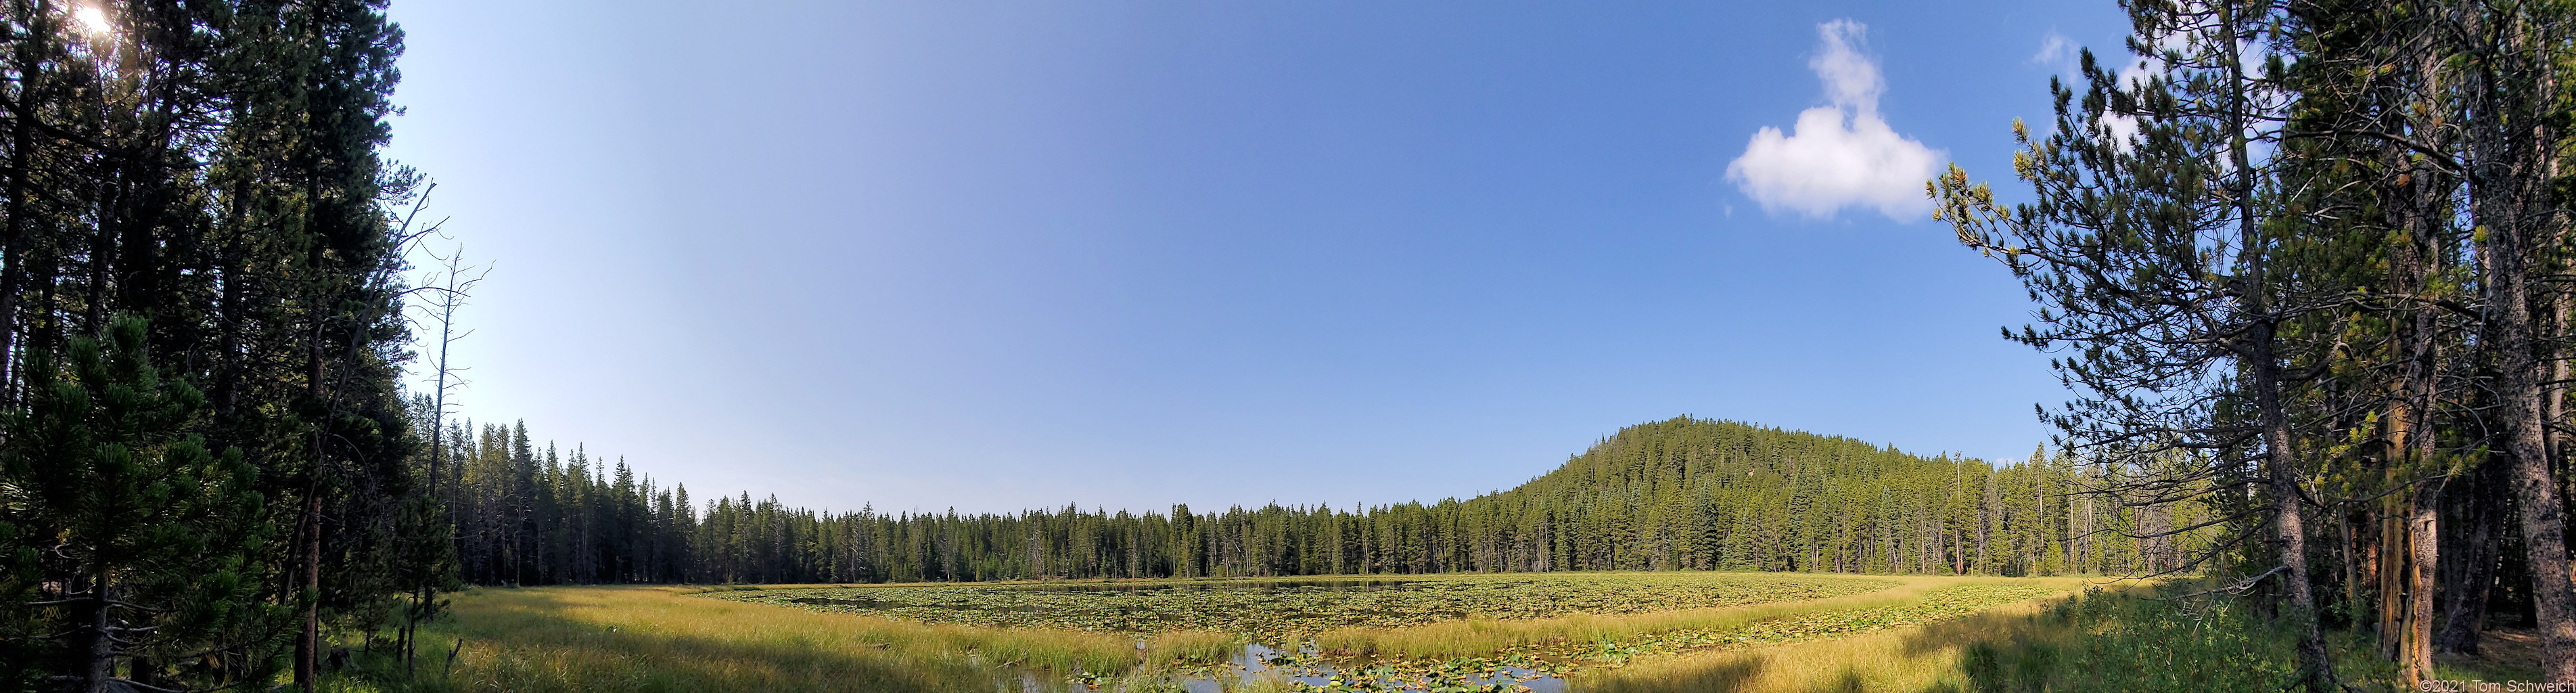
(1681, 494)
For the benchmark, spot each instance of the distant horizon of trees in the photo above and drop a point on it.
(1681, 494)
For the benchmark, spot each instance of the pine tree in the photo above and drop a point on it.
(152, 540)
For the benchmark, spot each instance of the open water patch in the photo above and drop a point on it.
(1213, 586)
(1257, 661)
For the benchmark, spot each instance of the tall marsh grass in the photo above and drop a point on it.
(2122, 639)
(564, 639)
(2015, 647)
(1480, 636)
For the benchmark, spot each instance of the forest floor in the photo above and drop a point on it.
(1625, 632)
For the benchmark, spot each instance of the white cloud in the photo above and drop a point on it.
(2135, 75)
(2123, 129)
(2056, 51)
(1851, 79)
(1841, 155)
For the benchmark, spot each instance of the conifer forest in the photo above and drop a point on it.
(1684, 494)
(2306, 268)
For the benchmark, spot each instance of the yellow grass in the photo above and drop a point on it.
(1934, 657)
(1480, 636)
(656, 639)
(660, 639)
(648, 638)
(1918, 658)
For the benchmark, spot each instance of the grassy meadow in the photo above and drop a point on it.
(1634, 633)
(2118, 639)
(1286, 610)
(662, 638)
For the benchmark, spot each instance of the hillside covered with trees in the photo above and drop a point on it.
(1682, 494)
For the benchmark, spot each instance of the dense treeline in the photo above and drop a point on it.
(2317, 250)
(205, 464)
(1684, 494)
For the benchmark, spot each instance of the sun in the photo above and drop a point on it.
(95, 19)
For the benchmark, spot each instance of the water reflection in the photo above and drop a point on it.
(1213, 585)
(893, 605)
(1256, 661)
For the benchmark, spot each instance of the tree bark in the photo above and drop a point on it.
(2413, 553)
(2289, 518)
(308, 640)
(2512, 87)
(93, 654)
(2469, 568)
(2415, 648)
(13, 246)
(2544, 525)
(2262, 363)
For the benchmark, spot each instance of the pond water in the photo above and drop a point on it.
(1255, 661)
(885, 604)
(1214, 585)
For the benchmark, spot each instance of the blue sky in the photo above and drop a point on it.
(998, 255)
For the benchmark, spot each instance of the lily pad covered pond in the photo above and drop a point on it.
(1271, 609)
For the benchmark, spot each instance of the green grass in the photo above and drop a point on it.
(657, 639)
(1928, 634)
(1587, 645)
(2122, 638)
(2129, 640)
(1636, 630)
(1280, 611)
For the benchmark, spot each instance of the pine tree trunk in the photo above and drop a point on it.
(13, 266)
(2536, 490)
(2512, 157)
(2469, 569)
(2415, 651)
(308, 641)
(2363, 564)
(2261, 362)
(93, 654)
(2289, 518)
